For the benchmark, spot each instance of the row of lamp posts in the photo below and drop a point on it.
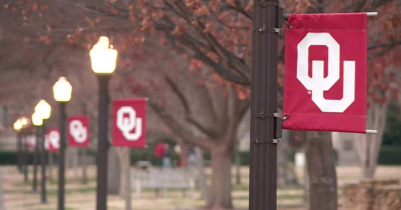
(22, 126)
(103, 61)
(39, 117)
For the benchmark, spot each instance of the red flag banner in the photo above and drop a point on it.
(129, 122)
(31, 141)
(52, 139)
(78, 131)
(325, 72)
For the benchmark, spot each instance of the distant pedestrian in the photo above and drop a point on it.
(167, 156)
(191, 156)
(177, 149)
(160, 153)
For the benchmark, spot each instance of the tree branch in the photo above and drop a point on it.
(177, 128)
(209, 131)
(388, 44)
(382, 52)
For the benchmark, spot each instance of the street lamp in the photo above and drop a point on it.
(62, 94)
(103, 60)
(17, 128)
(17, 125)
(43, 109)
(24, 121)
(37, 121)
(25, 124)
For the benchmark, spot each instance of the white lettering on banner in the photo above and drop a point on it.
(78, 131)
(318, 84)
(54, 139)
(32, 140)
(126, 124)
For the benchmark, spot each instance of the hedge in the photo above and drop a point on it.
(390, 156)
(387, 156)
(10, 158)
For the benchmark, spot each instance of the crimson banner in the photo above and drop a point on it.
(325, 72)
(78, 131)
(52, 139)
(129, 123)
(31, 141)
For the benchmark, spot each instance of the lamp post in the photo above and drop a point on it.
(17, 128)
(62, 94)
(25, 123)
(37, 121)
(267, 18)
(103, 60)
(43, 109)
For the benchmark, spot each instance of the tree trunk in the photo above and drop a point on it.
(321, 171)
(368, 146)
(200, 165)
(364, 146)
(237, 163)
(220, 193)
(285, 175)
(113, 172)
(1, 192)
(50, 168)
(128, 182)
(69, 153)
(75, 162)
(123, 156)
(83, 164)
(306, 184)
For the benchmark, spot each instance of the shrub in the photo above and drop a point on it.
(389, 156)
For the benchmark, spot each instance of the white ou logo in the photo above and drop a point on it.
(318, 84)
(32, 140)
(126, 124)
(78, 131)
(53, 139)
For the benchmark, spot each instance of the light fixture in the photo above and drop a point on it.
(103, 57)
(62, 90)
(43, 109)
(17, 125)
(37, 119)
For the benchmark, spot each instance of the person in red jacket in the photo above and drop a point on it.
(160, 153)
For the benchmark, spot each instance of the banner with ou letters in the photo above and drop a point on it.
(78, 131)
(31, 141)
(52, 139)
(129, 123)
(325, 72)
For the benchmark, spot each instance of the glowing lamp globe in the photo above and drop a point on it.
(17, 125)
(24, 121)
(62, 90)
(103, 57)
(37, 119)
(43, 109)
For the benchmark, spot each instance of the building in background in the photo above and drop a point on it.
(7, 134)
(345, 145)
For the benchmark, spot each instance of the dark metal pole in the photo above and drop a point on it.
(103, 143)
(43, 162)
(25, 155)
(267, 18)
(19, 157)
(61, 167)
(35, 159)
